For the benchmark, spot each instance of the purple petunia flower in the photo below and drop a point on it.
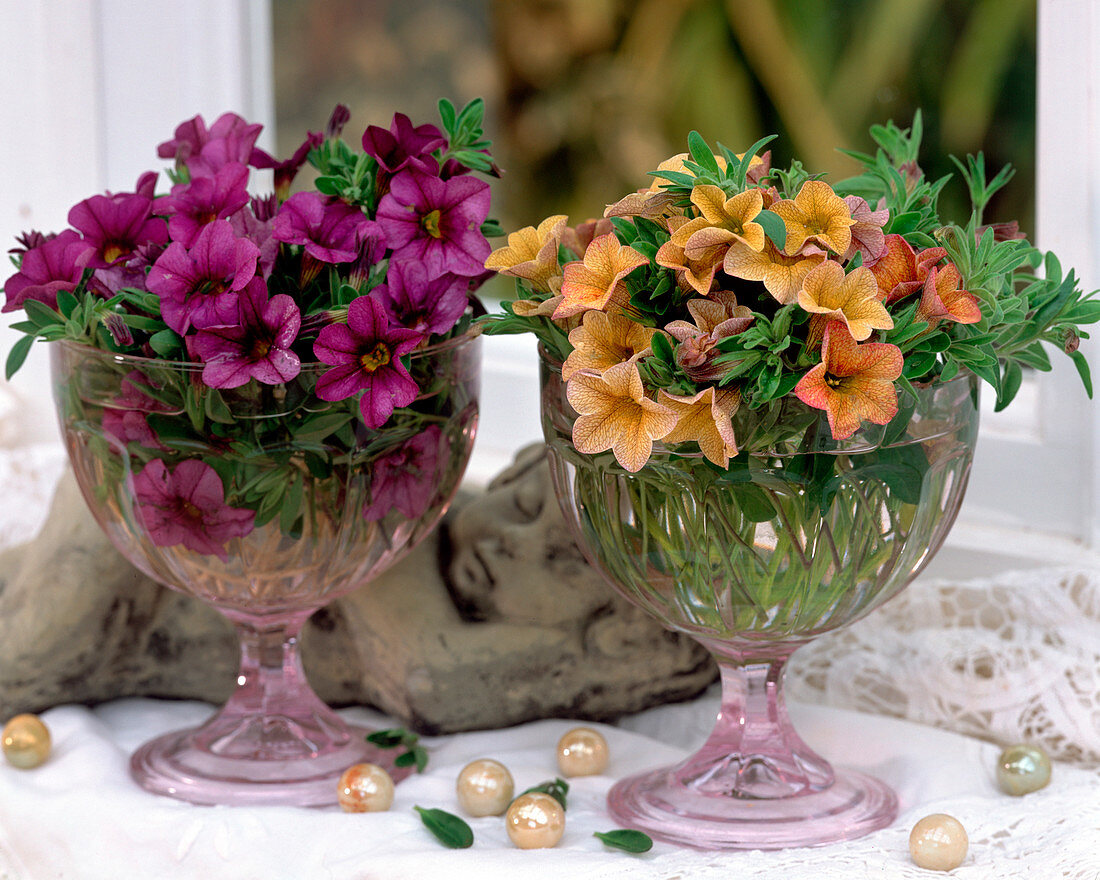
(365, 354)
(187, 506)
(257, 347)
(437, 222)
(199, 286)
(204, 200)
(406, 478)
(404, 146)
(229, 139)
(428, 305)
(259, 231)
(287, 170)
(125, 418)
(53, 265)
(329, 229)
(114, 226)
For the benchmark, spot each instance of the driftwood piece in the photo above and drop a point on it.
(496, 619)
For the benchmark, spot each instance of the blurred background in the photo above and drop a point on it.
(585, 96)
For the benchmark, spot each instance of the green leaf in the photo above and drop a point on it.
(626, 839)
(292, 504)
(166, 342)
(330, 186)
(1010, 385)
(702, 153)
(774, 227)
(557, 788)
(447, 114)
(753, 502)
(17, 355)
(388, 739)
(66, 302)
(448, 828)
(1083, 371)
(40, 313)
(216, 408)
(903, 223)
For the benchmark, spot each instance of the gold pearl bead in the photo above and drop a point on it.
(535, 821)
(365, 788)
(938, 843)
(582, 752)
(484, 788)
(26, 741)
(1022, 769)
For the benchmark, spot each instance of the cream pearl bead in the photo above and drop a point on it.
(938, 842)
(484, 788)
(535, 821)
(365, 788)
(583, 752)
(1022, 769)
(25, 741)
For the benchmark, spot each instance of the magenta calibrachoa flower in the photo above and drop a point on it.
(203, 151)
(126, 419)
(115, 226)
(53, 265)
(437, 222)
(404, 145)
(365, 354)
(415, 300)
(187, 506)
(257, 347)
(330, 230)
(286, 170)
(199, 286)
(405, 479)
(204, 200)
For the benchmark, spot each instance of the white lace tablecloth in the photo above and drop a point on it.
(80, 816)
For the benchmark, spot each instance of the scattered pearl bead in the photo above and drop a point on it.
(582, 752)
(484, 788)
(365, 788)
(1022, 769)
(938, 842)
(535, 821)
(26, 741)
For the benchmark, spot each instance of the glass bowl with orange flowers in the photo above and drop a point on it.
(760, 398)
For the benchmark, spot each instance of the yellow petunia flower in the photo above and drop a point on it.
(727, 220)
(782, 275)
(596, 282)
(705, 418)
(603, 340)
(816, 214)
(531, 253)
(615, 414)
(852, 298)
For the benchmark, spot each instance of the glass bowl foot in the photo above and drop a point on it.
(664, 808)
(291, 767)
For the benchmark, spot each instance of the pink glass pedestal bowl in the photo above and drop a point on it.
(753, 562)
(266, 503)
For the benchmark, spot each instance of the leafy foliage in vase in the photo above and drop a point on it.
(254, 347)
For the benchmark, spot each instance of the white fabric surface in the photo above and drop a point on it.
(80, 816)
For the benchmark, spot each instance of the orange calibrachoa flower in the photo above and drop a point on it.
(698, 274)
(603, 340)
(723, 221)
(705, 418)
(816, 215)
(867, 235)
(577, 239)
(715, 319)
(851, 297)
(596, 282)
(943, 297)
(900, 271)
(782, 275)
(615, 414)
(528, 308)
(853, 382)
(531, 253)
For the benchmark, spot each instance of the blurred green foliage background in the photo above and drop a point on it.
(585, 96)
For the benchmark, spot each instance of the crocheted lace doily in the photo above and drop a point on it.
(1010, 659)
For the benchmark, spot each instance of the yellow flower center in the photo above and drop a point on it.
(833, 381)
(377, 357)
(190, 511)
(260, 348)
(430, 224)
(112, 252)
